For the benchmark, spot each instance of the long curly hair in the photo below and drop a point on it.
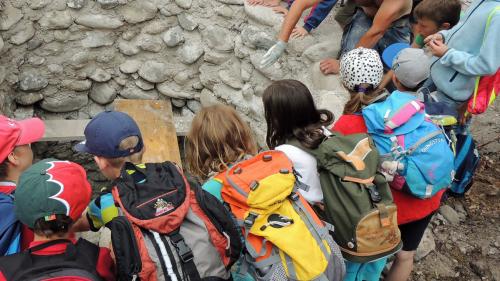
(218, 137)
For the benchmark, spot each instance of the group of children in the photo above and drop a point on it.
(45, 204)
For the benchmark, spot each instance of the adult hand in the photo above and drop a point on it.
(329, 66)
(434, 37)
(280, 10)
(437, 48)
(273, 54)
(299, 32)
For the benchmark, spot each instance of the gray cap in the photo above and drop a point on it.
(411, 66)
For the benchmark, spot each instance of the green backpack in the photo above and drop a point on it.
(357, 199)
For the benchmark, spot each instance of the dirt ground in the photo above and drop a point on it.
(470, 249)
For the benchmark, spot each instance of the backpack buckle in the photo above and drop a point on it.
(294, 196)
(250, 220)
(254, 185)
(183, 250)
(374, 194)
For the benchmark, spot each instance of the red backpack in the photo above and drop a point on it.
(181, 232)
(485, 93)
(487, 87)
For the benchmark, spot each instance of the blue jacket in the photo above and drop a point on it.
(468, 55)
(10, 227)
(318, 13)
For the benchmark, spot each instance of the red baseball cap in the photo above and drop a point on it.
(14, 133)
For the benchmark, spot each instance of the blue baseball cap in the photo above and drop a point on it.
(392, 51)
(106, 131)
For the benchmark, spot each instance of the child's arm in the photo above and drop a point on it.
(291, 19)
(318, 13)
(484, 63)
(296, 10)
(386, 79)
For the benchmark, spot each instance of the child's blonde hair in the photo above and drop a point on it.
(127, 144)
(217, 138)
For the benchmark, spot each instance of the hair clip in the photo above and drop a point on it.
(361, 89)
(50, 218)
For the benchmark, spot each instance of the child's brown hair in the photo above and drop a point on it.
(439, 11)
(217, 138)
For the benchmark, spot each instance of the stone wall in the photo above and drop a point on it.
(69, 59)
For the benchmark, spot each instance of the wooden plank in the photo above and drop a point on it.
(72, 130)
(155, 119)
(64, 130)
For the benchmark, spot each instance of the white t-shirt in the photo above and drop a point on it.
(305, 164)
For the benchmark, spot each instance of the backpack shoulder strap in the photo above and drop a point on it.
(185, 254)
(125, 248)
(87, 252)
(222, 219)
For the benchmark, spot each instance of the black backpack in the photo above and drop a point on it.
(77, 263)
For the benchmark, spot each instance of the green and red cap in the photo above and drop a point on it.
(52, 187)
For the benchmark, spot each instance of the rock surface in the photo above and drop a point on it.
(449, 214)
(153, 71)
(99, 21)
(190, 52)
(103, 93)
(30, 81)
(173, 36)
(71, 58)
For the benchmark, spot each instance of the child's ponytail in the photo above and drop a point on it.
(363, 95)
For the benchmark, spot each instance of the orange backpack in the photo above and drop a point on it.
(262, 193)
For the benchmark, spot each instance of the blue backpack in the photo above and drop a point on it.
(10, 227)
(466, 162)
(415, 156)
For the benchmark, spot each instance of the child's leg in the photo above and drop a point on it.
(411, 234)
(401, 267)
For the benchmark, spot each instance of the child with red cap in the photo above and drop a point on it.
(50, 197)
(15, 157)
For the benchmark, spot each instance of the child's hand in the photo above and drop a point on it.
(255, 2)
(434, 37)
(437, 48)
(101, 211)
(280, 10)
(299, 32)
